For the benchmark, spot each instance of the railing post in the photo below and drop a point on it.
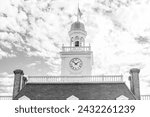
(89, 47)
(63, 48)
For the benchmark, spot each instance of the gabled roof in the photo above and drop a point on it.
(84, 91)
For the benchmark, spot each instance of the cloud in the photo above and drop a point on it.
(135, 18)
(6, 83)
(6, 75)
(119, 44)
(119, 33)
(142, 40)
(6, 54)
(5, 91)
(33, 64)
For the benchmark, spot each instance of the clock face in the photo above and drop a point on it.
(75, 63)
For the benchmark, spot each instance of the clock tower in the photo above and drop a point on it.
(76, 59)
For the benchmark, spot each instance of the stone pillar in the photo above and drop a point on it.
(134, 82)
(24, 80)
(18, 74)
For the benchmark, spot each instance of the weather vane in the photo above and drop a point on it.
(79, 13)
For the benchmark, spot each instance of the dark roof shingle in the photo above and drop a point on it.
(88, 91)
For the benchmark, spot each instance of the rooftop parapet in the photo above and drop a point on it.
(76, 79)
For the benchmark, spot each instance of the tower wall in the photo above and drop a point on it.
(76, 51)
(86, 69)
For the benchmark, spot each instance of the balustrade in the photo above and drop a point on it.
(145, 97)
(74, 79)
(5, 97)
(69, 48)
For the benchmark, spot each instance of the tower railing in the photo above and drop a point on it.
(70, 48)
(75, 79)
(145, 97)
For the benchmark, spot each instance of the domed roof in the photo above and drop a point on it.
(77, 26)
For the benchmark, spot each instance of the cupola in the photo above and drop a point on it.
(77, 26)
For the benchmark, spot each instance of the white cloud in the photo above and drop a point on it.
(135, 18)
(6, 83)
(33, 64)
(39, 28)
(5, 54)
(6, 75)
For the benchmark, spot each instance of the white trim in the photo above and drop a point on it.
(72, 98)
(24, 98)
(122, 97)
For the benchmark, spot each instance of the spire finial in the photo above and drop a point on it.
(79, 13)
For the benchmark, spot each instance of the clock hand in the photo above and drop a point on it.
(77, 63)
(73, 62)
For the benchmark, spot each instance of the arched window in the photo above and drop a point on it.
(71, 39)
(76, 43)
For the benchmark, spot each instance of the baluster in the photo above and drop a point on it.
(93, 79)
(115, 79)
(103, 79)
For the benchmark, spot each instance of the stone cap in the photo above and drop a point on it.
(18, 71)
(134, 70)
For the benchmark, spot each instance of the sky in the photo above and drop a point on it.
(32, 33)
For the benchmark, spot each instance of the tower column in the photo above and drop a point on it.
(18, 74)
(134, 82)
